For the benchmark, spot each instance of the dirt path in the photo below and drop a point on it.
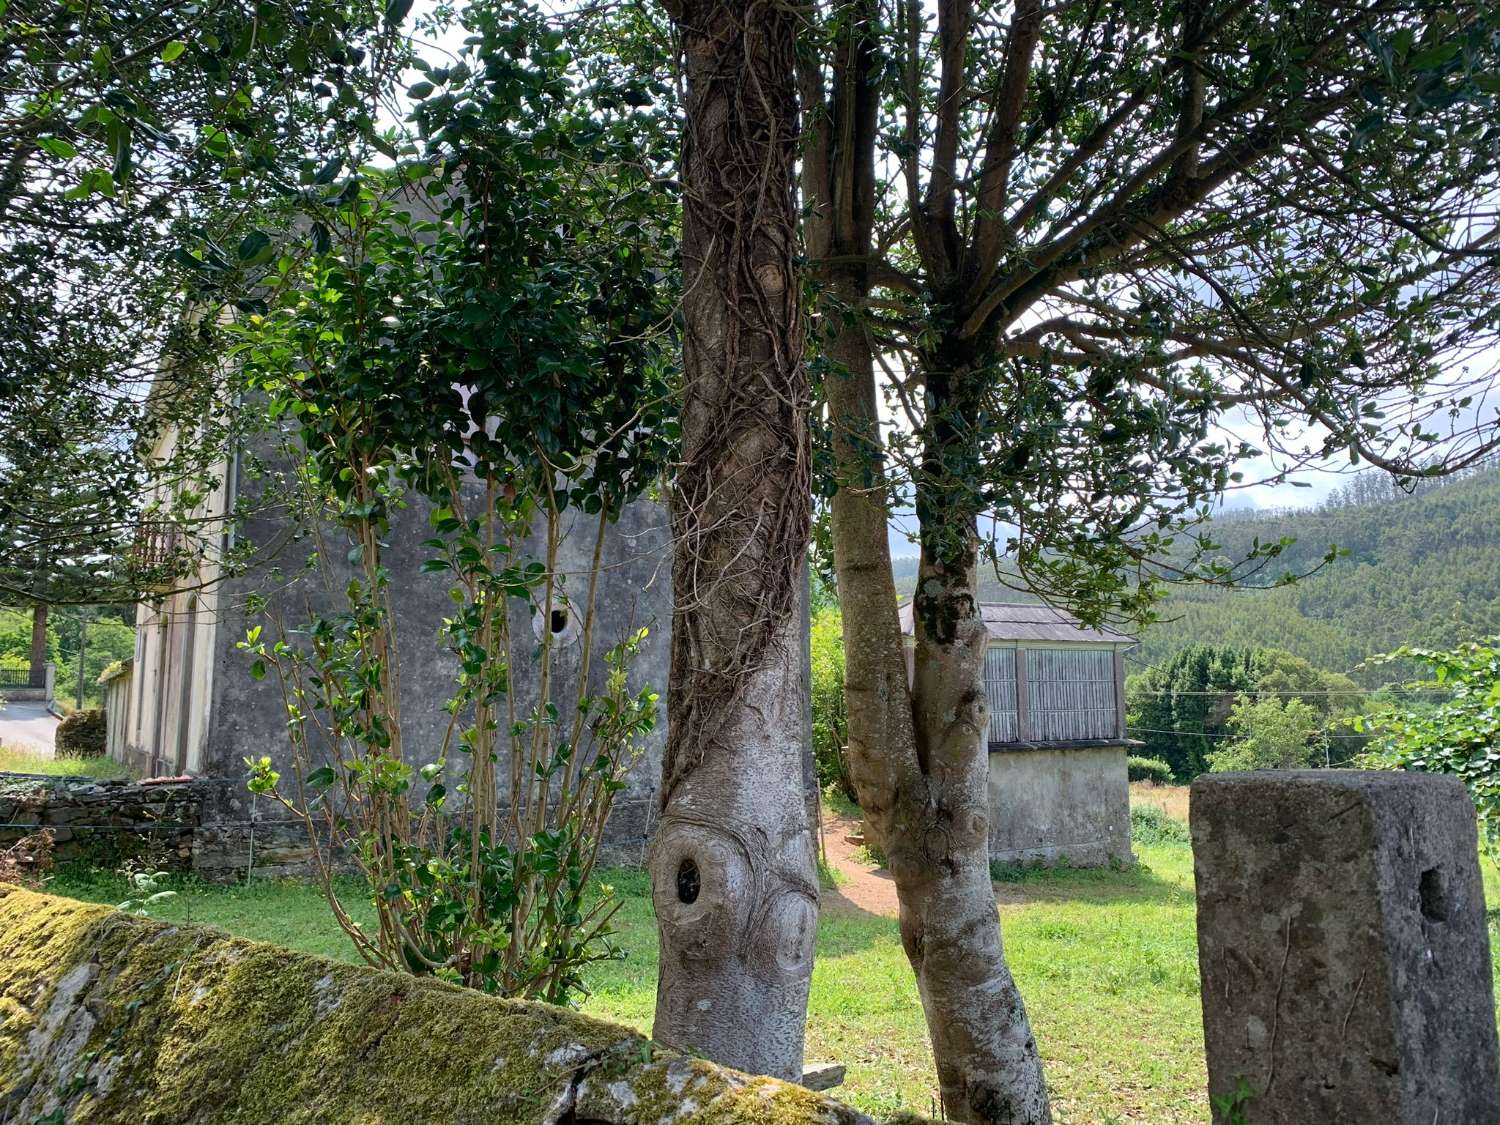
(866, 888)
(871, 889)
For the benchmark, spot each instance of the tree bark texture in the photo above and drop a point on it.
(921, 767)
(917, 749)
(38, 673)
(733, 864)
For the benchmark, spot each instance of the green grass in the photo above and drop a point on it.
(1107, 961)
(14, 759)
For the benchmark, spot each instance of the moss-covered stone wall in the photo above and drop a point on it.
(107, 1018)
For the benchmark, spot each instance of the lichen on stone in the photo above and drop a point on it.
(105, 1017)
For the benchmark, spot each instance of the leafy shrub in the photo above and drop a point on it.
(869, 854)
(1459, 735)
(81, 735)
(830, 715)
(499, 366)
(1150, 825)
(1148, 769)
(1272, 735)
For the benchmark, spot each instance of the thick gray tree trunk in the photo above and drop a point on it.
(38, 673)
(917, 752)
(733, 867)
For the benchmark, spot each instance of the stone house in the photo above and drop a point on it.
(187, 705)
(1059, 790)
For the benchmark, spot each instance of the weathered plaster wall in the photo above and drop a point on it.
(166, 725)
(1047, 805)
(248, 718)
(107, 1018)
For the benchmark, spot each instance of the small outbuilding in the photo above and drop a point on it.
(1059, 790)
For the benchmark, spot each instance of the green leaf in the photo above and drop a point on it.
(1435, 56)
(255, 246)
(321, 778)
(173, 50)
(57, 147)
(329, 172)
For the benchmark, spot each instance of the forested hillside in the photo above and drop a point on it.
(1421, 568)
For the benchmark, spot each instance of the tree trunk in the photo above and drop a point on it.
(921, 766)
(733, 864)
(917, 752)
(989, 1068)
(38, 674)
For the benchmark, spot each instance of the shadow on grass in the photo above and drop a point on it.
(1142, 883)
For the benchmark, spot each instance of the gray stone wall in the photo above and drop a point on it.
(102, 822)
(248, 717)
(1053, 805)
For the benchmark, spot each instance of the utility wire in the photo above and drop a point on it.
(1207, 734)
(1298, 694)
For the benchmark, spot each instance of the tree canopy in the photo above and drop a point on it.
(142, 151)
(1171, 241)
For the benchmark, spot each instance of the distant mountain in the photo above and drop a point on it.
(1421, 568)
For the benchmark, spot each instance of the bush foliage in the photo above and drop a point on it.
(1183, 708)
(830, 716)
(1148, 769)
(1272, 734)
(1460, 735)
(1151, 825)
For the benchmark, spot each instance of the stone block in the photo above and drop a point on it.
(1343, 949)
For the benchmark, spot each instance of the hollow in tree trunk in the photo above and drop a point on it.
(733, 870)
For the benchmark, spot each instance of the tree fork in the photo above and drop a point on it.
(922, 780)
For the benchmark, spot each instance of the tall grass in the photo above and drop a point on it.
(18, 759)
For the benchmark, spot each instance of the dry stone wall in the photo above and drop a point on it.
(103, 822)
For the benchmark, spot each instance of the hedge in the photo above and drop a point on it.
(1148, 769)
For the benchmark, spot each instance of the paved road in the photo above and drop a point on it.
(27, 725)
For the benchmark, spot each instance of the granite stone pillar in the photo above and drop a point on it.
(1343, 949)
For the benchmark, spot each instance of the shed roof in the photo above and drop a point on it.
(1011, 621)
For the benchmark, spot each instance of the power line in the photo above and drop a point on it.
(1206, 734)
(1240, 691)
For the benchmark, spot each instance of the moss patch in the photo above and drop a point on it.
(105, 1017)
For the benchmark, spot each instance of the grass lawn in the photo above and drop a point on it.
(14, 759)
(1107, 961)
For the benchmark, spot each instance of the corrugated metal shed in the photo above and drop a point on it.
(1034, 624)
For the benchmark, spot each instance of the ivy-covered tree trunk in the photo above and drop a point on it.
(733, 870)
(916, 748)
